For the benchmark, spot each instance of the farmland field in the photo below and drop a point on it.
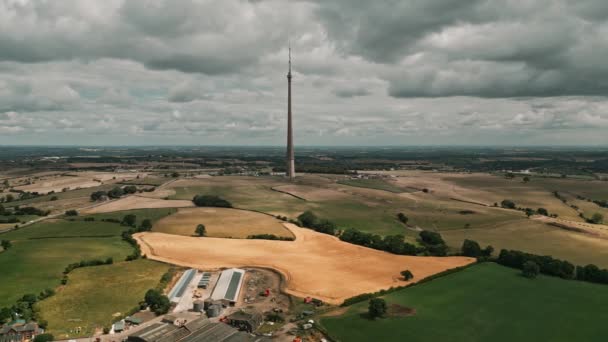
(221, 222)
(539, 238)
(378, 184)
(41, 251)
(84, 303)
(485, 302)
(31, 266)
(314, 264)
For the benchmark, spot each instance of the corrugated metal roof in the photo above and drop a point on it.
(228, 285)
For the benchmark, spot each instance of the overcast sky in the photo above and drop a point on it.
(402, 72)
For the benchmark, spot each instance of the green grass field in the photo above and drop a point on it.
(378, 184)
(31, 266)
(485, 302)
(57, 228)
(94, 294)
(142, 214)
(41, 251)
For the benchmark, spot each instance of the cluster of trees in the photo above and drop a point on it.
(309, 220)
(433, 243)
(547, 264)
(98, 196)
(550, 266)
(269, 237)
(592, 273)
(46, 337)
(71, 212)
(158, 302)
(130, 220)
(210, 201)
(530, 269)
(25, 309)
(508, 204)
(116, 192)
(30, 211)
(390, 243)
(472, 249)
(597, 218)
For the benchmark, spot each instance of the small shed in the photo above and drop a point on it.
(133, 320)
(119, 326)
(246, 321)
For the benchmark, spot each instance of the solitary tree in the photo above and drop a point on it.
(471, 248)
(6, 244)
(526, 179)
(402, 218)
(530, 269)
(201, 230)
(377, 307)
(407, 275)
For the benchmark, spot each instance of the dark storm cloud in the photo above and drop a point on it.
(208, 71)
(477, 48)
(206, 37)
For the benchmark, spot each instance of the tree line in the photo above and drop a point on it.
(553, 267)
(210, 201)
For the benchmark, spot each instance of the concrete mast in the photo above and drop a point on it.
(291, 167)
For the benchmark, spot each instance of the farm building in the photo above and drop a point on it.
(198, 330)
(247, 321)
(182, 284)
(228, 286)
(19, 331)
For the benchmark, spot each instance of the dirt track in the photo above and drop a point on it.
(314, 264)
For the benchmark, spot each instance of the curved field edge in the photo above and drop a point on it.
(314, 264)
(480, 303)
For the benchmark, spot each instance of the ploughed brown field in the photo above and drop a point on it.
(314, 264)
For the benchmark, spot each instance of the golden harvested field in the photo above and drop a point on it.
(136, 202)
(221, 222)
(47, 183)
(535, 236)
(314, 264)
